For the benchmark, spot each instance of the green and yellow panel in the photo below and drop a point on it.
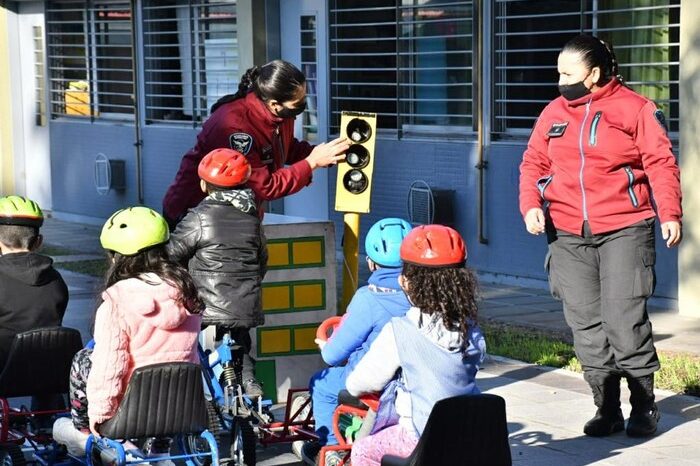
(283, 353)
(294, 296)
(295, 253)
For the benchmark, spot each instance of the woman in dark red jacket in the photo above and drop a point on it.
(593, 159)
(257, 121)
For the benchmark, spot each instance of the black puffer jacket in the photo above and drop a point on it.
(223, 244)
(32, 295)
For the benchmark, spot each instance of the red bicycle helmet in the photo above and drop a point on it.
(433, 246)
(224, 168)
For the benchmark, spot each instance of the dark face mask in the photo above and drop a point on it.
(574, 91)
(287, 112)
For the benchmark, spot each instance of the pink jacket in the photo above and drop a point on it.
(139, 323)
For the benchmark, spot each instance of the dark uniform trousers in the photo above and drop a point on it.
(604, 281)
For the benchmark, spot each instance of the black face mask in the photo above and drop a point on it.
(573, 91)
(293, 112)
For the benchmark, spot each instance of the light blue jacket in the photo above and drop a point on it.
(369, 310)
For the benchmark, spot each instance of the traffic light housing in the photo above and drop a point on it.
(354, 181)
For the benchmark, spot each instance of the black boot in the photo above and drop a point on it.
(608, 419)
(645, 415)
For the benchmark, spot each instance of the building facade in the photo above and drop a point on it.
(105, 96)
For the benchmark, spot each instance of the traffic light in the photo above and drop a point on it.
(354, 181)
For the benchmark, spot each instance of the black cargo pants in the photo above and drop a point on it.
(604, 281)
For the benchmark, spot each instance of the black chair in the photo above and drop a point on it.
(463, 430)
(39, 362)
(161, 400)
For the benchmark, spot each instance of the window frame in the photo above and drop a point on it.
(404, 130)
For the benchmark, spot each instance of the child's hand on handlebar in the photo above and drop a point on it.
(320, 343)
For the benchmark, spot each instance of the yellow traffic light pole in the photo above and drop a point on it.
(351, 246)
(353, 189)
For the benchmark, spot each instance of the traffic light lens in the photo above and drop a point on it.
(355, 181)
(358, 131)
(357, 156)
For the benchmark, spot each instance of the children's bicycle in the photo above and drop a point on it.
(239, 421)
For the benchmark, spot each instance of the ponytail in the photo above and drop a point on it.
(248, 81)
(614, 64)
(278, 80)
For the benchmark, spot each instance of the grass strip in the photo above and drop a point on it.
(50, 250)
(679, 372)
(94, 267)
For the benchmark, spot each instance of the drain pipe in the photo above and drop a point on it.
(138, 143)
(483, 91)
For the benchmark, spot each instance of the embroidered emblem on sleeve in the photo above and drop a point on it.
(242, 142)
(661, 119)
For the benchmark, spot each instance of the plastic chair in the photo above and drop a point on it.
(39, 362)
(161, 400)
(464, 430)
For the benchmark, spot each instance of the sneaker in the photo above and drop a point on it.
(296, 447)
(333, 458)
(252, 387)
(66, 434)
(309, 452)
(164, 463)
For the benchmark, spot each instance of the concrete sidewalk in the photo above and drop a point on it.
(546, 408)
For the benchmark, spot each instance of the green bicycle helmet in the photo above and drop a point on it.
(18, 210)
(131, 230)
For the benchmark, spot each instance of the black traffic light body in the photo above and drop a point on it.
(354, 181)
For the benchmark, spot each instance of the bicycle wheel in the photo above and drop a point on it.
(11, 455)
(195, 444)
(243, 443)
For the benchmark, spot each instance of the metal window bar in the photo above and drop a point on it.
(645, 39)
(39, 76)
(408, 61)
(190, 58)
(309, 64)
(90, 60)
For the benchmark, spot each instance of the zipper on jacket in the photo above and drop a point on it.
(542, 184)
(593, 135)
(630, 183)
(583, 161)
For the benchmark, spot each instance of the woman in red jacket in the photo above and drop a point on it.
(594, 157)
(257, 121)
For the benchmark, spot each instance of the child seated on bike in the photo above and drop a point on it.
(370, 308)
(223, 244)
(150, 313)
(436, 347)
(32, 292)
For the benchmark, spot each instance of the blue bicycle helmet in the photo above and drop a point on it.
(383, 241)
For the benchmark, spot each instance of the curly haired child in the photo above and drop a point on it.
(435, 349)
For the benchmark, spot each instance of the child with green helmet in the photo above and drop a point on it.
(222, 242)
(32, 293)
(150, 313)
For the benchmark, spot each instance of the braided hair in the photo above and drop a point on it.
(278, 80)
(596, 52)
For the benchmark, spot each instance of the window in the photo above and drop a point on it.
(190, 57)
(90, 59)
(528, 36)
(409, 61)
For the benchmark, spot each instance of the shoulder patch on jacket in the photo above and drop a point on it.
(661, 119)
(242, 142)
